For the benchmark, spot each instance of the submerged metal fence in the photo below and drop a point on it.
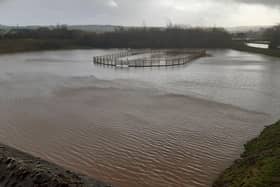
(118, 60)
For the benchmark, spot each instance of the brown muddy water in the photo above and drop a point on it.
(175, 126)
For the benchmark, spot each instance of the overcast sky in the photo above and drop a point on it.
(140, 12)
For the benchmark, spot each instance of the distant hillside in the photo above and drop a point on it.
(87, 28)
(3, 27)
(111, 28)
(246, 28)
(94, 28)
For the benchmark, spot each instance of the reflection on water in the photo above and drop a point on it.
(257, 45)
(137, 127)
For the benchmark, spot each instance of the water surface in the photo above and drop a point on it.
(258, 45)
(175, 126)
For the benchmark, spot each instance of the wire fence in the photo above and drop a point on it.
(124, 59)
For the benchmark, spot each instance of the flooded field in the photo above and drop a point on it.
(174, 126)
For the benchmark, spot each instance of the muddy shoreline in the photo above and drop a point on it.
(21, 169)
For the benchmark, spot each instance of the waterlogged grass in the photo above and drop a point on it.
(259, 165)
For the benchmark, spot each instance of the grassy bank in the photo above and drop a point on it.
(259, 165)
(243, 47)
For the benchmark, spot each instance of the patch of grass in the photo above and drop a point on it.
(259, 165)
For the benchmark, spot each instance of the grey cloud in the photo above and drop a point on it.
(130, 12)
(262, 2)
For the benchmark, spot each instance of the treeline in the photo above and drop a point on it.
(273, 35)
(174, 37)
(59, 32)
(21, 39)
(166, 38)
